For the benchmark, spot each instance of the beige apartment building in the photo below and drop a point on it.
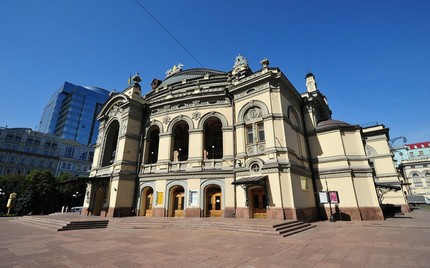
(242, 143)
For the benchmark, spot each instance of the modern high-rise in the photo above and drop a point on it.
(71, 113)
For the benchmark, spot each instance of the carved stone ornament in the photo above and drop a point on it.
(196, 115)
(253, 113)
(240, 65)
(115, 109)
(166, 120)
(240, 61)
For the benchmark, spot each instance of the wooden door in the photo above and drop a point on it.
(259, 204)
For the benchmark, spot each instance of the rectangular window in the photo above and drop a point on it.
(250, 134)
(69, 152)
(304, 183)
(260, 127)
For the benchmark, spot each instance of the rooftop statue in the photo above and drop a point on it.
(240, 66)
(174, 69)
(240, 61)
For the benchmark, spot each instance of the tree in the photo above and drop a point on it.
(71, 190)
(10, 183)
(38, 194)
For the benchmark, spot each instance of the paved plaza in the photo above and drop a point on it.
(395, 242)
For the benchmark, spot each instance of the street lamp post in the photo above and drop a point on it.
(1, 201)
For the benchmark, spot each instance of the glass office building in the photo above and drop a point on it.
(71, 113)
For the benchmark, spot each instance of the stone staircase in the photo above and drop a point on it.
(265, 227)
(51, 223)
(78, 225)
(193, 223)
(292, 227)
(66, 222)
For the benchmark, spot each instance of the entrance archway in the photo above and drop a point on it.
(98, 199)
(258, 202)
(176, 201)
(213, 201)
(146, 202)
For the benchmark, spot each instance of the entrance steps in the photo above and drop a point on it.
(77, 225)
(73, 221)
(63, 223)
(256, 226)
(235, 225)
(292, 227)
(45, 222)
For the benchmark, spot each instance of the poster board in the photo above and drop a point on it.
(334, 197)
(323, 197)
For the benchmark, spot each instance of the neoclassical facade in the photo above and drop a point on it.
(206, 143)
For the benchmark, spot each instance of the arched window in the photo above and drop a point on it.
(152, 145)
(254, 130)
(416, 179)
(180, 141)
(110, 144)
(427, 176)
(213, 146)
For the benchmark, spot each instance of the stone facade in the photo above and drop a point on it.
(206, 143)
(23, 150)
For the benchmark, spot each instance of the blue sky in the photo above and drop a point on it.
(371, 58)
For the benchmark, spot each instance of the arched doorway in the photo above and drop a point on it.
(146, 202)
(213, 201)
(258, 202)
(99, 198)
(176, 202)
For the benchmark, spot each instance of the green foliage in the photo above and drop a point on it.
(71, 191)
(41, 193)
(9, 184)
(38, 194)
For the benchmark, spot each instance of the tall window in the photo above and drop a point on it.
(180, 141)
(152, 142)
(110, 144)
(213, 143)
(250, 134)
(254, 127)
